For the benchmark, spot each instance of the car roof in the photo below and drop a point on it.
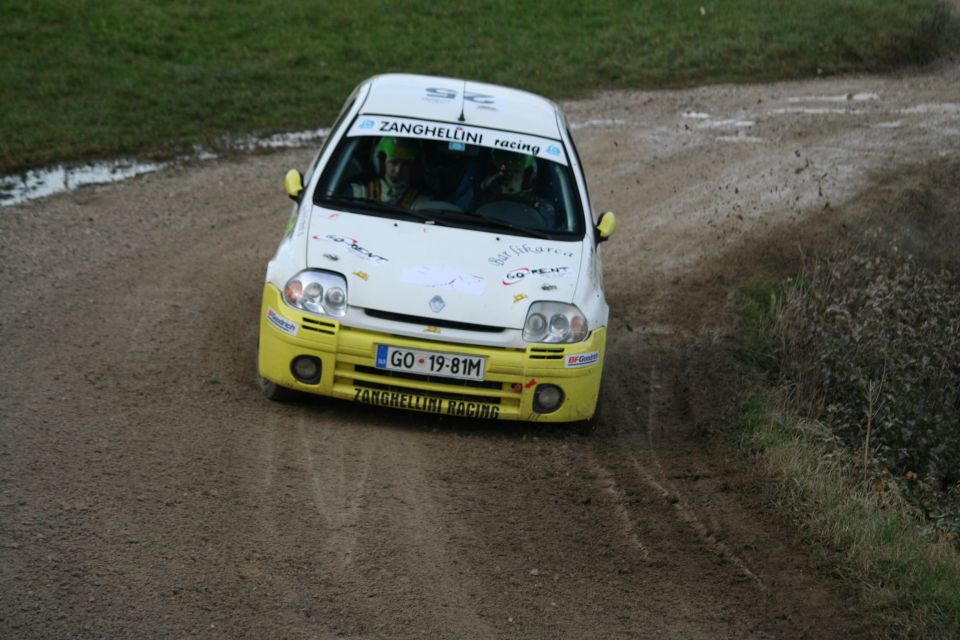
(439, 99)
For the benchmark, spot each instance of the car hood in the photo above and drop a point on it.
(442, 273)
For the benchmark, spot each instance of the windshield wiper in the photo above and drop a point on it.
(472, 217)
(430, 216)
(387, 207)
(503, 224)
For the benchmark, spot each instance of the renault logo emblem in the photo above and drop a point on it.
(437, 304)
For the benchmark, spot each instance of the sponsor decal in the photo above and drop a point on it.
(432, 330)
(439, 94)
(520, 146)
(518, 275)
(520, 296)
(546, 148)
(582, 360)
(531, 383)
(432, 131)
(363, 275)
(354, 247)
(330, 256)
(281, 323)
(398, 400)
(525, 249)
(443, 278)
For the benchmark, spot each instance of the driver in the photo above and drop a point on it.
(396, 162)
(513, 178)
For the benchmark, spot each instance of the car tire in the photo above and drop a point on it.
(272, 390)
(275, 392)
(592, 424)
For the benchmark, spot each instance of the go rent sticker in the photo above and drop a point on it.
(582, 360)
(455, 133)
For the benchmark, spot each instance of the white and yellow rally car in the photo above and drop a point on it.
(442, 256)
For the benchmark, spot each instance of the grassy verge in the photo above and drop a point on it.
(85, 79)
(861, 505)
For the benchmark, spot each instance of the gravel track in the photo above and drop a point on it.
(147, 489)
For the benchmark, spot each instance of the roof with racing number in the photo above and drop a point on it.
(441, 99)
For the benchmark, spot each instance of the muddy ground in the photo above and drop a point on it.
(148, 490)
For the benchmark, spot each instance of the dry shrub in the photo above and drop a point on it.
(870, 346)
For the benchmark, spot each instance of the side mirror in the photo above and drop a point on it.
(293, 183)
(606, 225)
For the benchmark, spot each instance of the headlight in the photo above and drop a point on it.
(317, 292)
(554, 322)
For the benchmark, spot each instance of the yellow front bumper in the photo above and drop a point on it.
(349, 369)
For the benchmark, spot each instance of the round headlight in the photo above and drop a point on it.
(313, 291)
(537, 324)
(293, 292)
(306, 369)
(578, 328)
(559, 325)
(335, 297)
(547, 398)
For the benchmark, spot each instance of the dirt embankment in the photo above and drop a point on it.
(147, 489)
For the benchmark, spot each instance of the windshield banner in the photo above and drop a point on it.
(459, 134)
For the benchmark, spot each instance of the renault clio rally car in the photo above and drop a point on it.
(442, 256)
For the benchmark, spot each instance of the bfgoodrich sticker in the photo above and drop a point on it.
(582, 360)
(280, 322)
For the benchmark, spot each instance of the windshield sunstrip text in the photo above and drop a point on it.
(540, 147)
(430, 131)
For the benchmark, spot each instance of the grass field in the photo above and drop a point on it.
(84, 80)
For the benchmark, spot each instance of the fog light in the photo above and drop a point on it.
(306, 369)
(547, 398)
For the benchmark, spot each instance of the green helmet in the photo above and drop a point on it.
(515, 172)
(511, 161)
(397, 148)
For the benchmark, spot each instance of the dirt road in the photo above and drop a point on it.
(148, 490)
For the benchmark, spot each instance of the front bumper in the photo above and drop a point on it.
(349, 371)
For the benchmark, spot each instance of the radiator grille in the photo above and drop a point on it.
(432, 322)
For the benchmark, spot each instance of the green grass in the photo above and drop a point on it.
(81, 79)
(913, 582)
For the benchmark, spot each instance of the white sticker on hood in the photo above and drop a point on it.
(444, 278)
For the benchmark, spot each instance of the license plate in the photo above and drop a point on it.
(431, 363)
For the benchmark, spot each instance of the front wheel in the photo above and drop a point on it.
(275, 392)
(272, 390)
(591, 425)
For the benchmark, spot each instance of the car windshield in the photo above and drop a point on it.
(454, 183)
